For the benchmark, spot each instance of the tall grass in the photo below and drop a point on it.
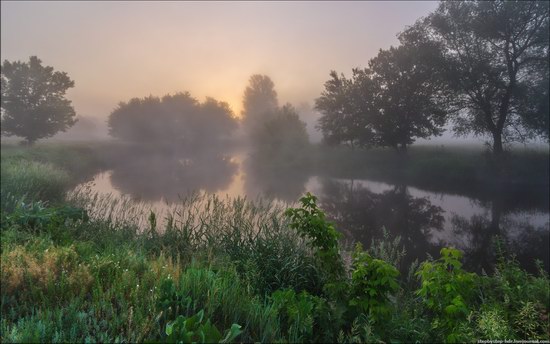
(32, 180)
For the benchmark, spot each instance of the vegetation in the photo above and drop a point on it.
(85, 268)
(390, 104)
(481, 64)
(496, 61)
(259, 102)
(177, 118)
(33, 100)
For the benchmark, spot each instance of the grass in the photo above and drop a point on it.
(93, 268)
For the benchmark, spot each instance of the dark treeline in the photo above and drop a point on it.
(481, 65)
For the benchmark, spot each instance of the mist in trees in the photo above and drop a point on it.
(394, 101)
(496, 66)
(173, 119)
(33, 100)
(275, 133)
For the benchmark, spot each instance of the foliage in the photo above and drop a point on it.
(174, 118)
(389, 104)
(282, 138)
(33, 100)
(32, 180)
(36, 216)
(259, 103)
(306, 318)
(372, 283)
(102, 269)
(447, 290)
(341, 121)
(193, 330)
(496, 55)
(310, 222)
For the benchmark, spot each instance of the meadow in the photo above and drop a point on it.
(76, 267)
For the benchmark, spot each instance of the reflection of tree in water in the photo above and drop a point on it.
(521, 238)
(274, 181)
(362, 214)
(154, 176)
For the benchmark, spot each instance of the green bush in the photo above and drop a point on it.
(372, 283)
(448, 291)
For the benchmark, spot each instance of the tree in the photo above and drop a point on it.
(390, 104)
(343, 110)
(496, 55)
(174, 118)
(407, 97)
(259, 102)
(283, 137)
(33, 100)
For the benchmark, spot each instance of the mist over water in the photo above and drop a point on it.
(363, 209)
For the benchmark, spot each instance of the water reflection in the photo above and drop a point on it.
(274, 181)
(425, 220)
(152, 177)
(361, 214)
(520, 235)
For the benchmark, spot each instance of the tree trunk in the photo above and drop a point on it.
(497, 143)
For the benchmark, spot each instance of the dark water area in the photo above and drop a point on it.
(362, 209)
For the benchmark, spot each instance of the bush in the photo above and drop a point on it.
(447, 290)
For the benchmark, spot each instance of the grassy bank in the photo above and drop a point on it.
(464, 170)
(78, 269)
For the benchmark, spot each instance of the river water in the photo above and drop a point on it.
(363, 210)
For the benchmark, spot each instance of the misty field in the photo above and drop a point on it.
(77, 268)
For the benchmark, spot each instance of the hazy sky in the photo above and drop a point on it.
(118, 50)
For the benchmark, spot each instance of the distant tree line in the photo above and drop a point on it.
(480, 65)
(172, 118)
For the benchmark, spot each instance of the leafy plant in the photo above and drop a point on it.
(447, 290)
(310, 222)
(195, 330)
(372, 282)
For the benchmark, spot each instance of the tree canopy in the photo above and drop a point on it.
(283, 137)
(496, 65)
(33, 100)
(259, 102)
(391, 103)
(174, 118)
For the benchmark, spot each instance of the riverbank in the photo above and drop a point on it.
(70, 276)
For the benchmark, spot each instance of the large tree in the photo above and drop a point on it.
(343, 106)
(259, 102)
(390, 104)
(33, 100)
(496, 55)
(407, 97)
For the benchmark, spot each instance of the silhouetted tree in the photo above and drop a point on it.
(174, 118)
(259, 102)
(33, 100)
(391, 103)
(496, 55)
(343, 109)
(407, 99)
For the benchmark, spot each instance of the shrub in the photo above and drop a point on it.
(447, 290)
(372, 282)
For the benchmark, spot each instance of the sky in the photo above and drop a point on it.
(115, 51)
